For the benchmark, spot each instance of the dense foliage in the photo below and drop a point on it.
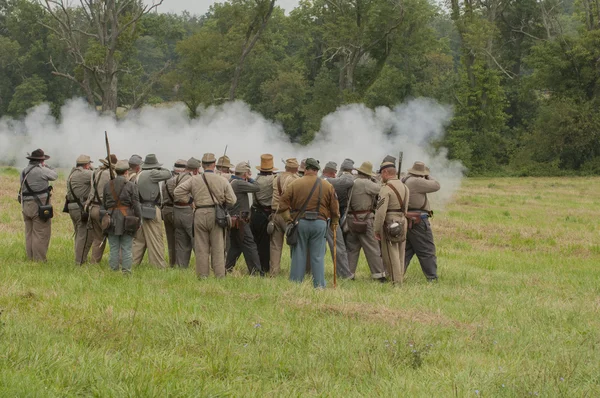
(522, 75)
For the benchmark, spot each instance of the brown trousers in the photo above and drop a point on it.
(167, 215)
(393, 255)
(150, 237)
(83, 237)
(277, 238)
(99, 242)
(209, 244)
(37, 232)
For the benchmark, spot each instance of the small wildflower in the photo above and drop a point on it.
(257, 325)
(562, 379)
(476, 392)
(246, 345)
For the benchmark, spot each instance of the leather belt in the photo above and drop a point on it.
(205, 207)
(183, 204)
(395, 211)
(96, 203)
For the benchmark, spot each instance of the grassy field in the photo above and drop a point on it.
(515, 313)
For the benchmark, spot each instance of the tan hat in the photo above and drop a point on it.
(224, 161)
(266, 163)
(180, 164)
(242, 167)
(386, 165)
(113, 160)
(366, 168)
(83, 159)
(209, 158)
(291, 163)
(419, 169)
(122, 165)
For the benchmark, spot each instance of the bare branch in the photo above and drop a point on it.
(510, 75)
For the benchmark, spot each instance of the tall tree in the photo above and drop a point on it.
(95, 34)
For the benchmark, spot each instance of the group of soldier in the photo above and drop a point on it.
(220, 212)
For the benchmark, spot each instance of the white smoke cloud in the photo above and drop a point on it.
(353, 131)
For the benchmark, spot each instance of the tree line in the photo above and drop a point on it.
(522, 75)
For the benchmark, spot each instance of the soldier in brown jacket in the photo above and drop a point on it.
(390, 221)
(419, 238)
(79, 184)
(360, 223)
(321, 205)
(280, 182)
(209, 237)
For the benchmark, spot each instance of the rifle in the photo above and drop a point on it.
(400, 163)
(110, 169)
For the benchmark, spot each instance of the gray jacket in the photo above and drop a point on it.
(38, 178)
(242, 188)
(148, 185)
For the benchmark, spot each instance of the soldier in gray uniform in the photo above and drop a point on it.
(360, 217)
(261, 210)
(34, 193)
(168, 195)
(183, 217)
(419, 237)
(150, 235)
(135, 166)
(240, 236)
(94, 204)
(343, 186)
(79, 185)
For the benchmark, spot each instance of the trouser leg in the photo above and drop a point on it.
(235, 249)
(372, 252)
(318, 232)
(153, 234)
(126, 255)
(98, 242)
(342, 267)
(299, 253)
(259, 221)
(139, 245)
(276, 248)
(167, 215)
(217, 249)
(250, 251)
(422, 244)
(28, 215)
(183, 221)
(114, 244)
(202, 244)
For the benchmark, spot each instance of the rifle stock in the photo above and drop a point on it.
(401, 155)
(108, 159)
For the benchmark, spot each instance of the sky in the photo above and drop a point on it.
(199, 7)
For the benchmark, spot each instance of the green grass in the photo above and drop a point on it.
(515, 313)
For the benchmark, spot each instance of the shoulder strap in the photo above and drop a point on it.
(303, 208)
(117, 196)
(35, 193)
(398, 196)
(99, 175)
(349, 202)
(71, 190)
(209, 190)
(24, 177)
(279, 185)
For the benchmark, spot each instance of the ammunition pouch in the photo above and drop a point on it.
(311, 215)
(395, 231)
(413, 218)
(45, 212)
